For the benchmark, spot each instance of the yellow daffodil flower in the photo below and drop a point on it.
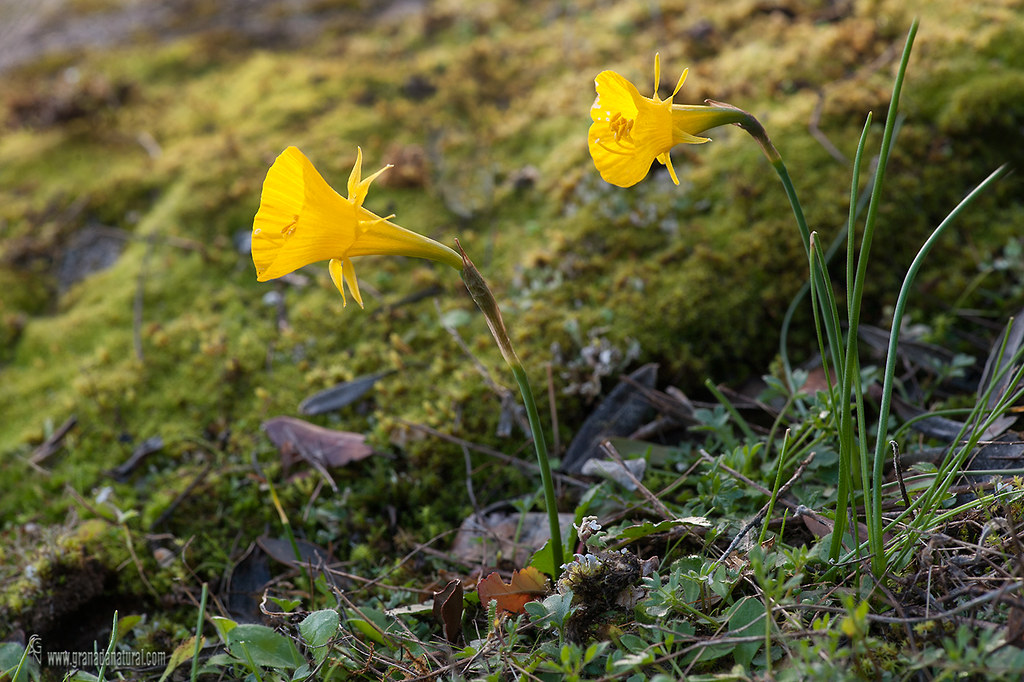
(302, 220)
(630, 131)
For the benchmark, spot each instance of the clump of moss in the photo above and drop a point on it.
(61, 569)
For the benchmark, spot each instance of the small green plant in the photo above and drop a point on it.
(16, 664)
(267, 654)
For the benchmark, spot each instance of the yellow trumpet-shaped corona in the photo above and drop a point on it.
(302, 220)
(629, 131)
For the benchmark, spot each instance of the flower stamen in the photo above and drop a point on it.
(623, 152)
(621, 127)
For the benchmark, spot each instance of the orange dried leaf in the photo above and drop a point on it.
(527, 584)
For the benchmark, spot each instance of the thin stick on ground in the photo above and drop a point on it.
(759, 516)
(508, 459)
(664, 511)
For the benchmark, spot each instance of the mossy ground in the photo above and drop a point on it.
(169, 139)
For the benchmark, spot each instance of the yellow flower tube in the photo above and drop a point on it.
(629, 131)
(302, 220)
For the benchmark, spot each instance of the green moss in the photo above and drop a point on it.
(66, 567)
(989, 107)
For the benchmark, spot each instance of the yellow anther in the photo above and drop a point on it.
(621, 128)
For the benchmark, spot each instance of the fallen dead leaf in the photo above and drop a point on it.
(527, 584)
(505, 536)
(622, 412)
(321, 448)
(448, 610)
(343, 394)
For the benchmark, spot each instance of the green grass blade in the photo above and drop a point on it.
(199, 633)
(874, 509)
(878, 560)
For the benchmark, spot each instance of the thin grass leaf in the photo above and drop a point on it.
(875, 515)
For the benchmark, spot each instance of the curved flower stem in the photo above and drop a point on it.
(823, 304)
(484, 300)
(819, 277)
(757, 131)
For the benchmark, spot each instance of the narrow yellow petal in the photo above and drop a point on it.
(363, 187)
(666, 160)
(353, 283)
(335, 268)
(657, 74)
(679, 84)
(355, 175)
(686, 138)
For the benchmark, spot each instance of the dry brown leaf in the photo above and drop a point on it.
(820, 526)
(448, 610)
(487, 537)
(527, 584)
(321, 448)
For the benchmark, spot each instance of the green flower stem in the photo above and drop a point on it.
(545, 467)
(794, 202)
(757, 131)
(484, 300)
(826, 302)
